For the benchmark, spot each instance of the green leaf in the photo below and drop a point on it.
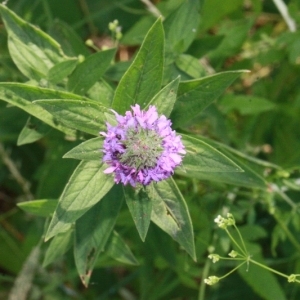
(11, 252)
(249, 178)
(181, 26)
(41, 208)
(253, 168)
(87, 116)
(33, 51)
(201, 157)
(101, 92)
(58, 247)
(229, 46)
(140, 207)
(135, 35)
(143, 78)
(190, 65)
(204, 45)
(170, 213)
(205, 162)
(245, 104)
(33, 130)
(23, 95)
(54, 171)
(165, 99)
(214, 10)
(88, 150)
(195, 95)
(93, 230)
(162, 244)
(117, 249)
(71, 43)
(87, 185)
(88, 72)
(61, 70)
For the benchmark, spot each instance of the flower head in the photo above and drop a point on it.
(211, 280)
(142, 147)
(233, 254)
(214, 257)
(223, 222)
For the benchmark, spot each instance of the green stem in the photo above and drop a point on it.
(270, 269)
(232, 258)
(201, 295)
(233, 240)
(241, 238)
(230, 272)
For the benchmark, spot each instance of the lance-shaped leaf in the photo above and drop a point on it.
(71, 43)
(190, 65)
(204, 158)
(170, 213)
(87, 116)
(165, 99)
(204, 161)
(195, 95)
(181, 26)
(93, 230)
(23, 95)
(143, 78)
(41, 207)
(140, 207)
(88, 72)
(117, 249)
(61, 70)
(33, 130)
(58, 246)
(87, 185)
(88, 150)
(33, 51)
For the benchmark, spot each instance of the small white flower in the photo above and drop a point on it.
(214, 257)
(233, 253)
(292, 278)
(219, 219)
(211, 280)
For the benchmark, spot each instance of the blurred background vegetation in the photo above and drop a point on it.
(259, 116)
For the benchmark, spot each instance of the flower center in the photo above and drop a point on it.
(143, 147)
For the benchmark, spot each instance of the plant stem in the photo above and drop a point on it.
(241, 238)
(281, 6)
(152, 8)
(238, 266)
(201, 295)
(233, 240)
(270, 269)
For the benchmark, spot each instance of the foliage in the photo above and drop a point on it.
(227, 77)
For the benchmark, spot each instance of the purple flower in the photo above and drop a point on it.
(142, 147)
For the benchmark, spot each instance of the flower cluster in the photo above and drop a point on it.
(211, 280)
(142, 147)
(223, 222)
